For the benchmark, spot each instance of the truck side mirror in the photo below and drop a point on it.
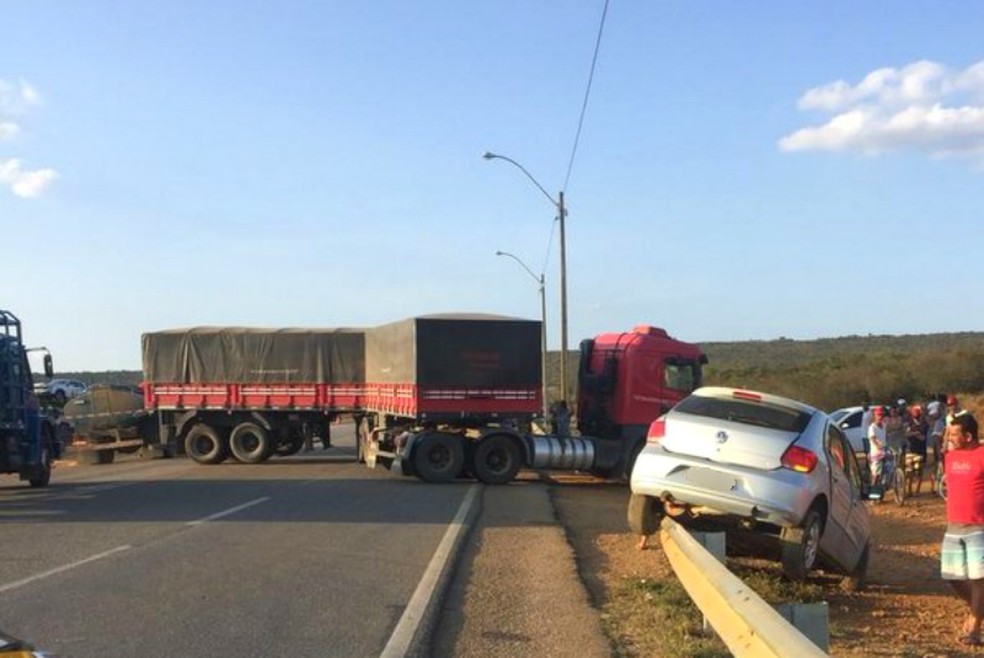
(49, 368)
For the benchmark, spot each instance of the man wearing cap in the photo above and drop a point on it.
(962, 552)
(878, 444)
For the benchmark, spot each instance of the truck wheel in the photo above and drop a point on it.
(438, 457)
(800, 546)
(291, 446)
(43, 477)
(644, 514)
(250, 443)
(495, 460)
(204, 445)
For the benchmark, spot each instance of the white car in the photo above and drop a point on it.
(64, 389)
(761, 462)
(848, 420)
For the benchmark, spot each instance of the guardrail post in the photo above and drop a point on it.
(810, 619)
(713, 543)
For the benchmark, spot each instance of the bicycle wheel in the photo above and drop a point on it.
(898, 485)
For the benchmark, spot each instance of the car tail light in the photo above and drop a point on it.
(747, 395)
(657, 430)
(799, 459)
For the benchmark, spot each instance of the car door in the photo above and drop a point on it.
(858, 526)
(839, 495)
(848, 516)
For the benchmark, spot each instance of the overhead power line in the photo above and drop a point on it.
(587, 94)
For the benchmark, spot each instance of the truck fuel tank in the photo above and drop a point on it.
(561, 453)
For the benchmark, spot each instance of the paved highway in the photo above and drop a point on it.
(306, 556)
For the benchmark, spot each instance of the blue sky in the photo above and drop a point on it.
(745, 170)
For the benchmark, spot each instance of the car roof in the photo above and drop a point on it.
(723, 392)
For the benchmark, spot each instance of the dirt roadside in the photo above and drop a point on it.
(907, 610)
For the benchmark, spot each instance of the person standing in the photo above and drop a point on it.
(867, 416)
(962, 551)
(915, 461)
(878, 446)
(936, 426)
(895, 429)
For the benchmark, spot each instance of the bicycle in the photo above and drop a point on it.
(893, 474)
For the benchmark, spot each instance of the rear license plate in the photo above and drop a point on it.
(706, 478)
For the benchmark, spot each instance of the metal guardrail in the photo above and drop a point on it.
(746, 624)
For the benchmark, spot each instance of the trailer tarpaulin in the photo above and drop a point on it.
(455, 350)
(248, 355)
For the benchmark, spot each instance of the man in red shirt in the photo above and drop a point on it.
(962, 554)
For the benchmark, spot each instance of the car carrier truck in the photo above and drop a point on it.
(436, 396)
(28, 438)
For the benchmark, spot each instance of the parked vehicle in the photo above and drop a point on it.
(107, 419)
(63, 390)
(28, 438)
(769, 464)
(848, 420)
(436, 396)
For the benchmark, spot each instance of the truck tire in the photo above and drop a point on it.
(801, 546)
(644, 514)
(42, 477)
(291, 446)
(204, 445)
(438, 457)
(496, 459)
(250, 443)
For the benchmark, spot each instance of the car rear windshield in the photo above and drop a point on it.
(747, 412)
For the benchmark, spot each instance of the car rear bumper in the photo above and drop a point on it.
(781, 497)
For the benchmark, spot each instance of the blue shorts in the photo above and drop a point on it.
(962, 554)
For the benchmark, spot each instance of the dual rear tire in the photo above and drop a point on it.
(248, 442)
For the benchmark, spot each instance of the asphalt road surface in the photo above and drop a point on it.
(311, 555)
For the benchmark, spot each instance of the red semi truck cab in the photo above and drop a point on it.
(626, 380)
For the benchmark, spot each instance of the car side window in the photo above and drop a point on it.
(849, 460)
(852, 421)
(835, 447)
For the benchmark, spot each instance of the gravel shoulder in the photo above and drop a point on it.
(516, 591)
(907, 610)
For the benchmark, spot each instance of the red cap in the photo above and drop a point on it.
(951, 400)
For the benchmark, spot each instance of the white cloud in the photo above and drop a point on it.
(24, 183)
(17, 98)
(8, 130)
(923, 107)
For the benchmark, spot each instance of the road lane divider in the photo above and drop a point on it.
(65, 567)
(231, 510)
(412, 633)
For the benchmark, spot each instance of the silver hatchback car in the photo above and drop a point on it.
(771, 464)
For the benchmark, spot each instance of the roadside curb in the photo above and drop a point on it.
(414, 633)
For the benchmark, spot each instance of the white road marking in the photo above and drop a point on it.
(399, 642)
(231, 510)
(64, 567)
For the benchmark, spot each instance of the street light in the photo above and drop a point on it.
(561, 214)
(543, 326)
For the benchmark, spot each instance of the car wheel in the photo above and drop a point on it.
(800, 546)
(644, 514)
(858, 577)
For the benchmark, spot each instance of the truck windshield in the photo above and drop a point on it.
(681, 375)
